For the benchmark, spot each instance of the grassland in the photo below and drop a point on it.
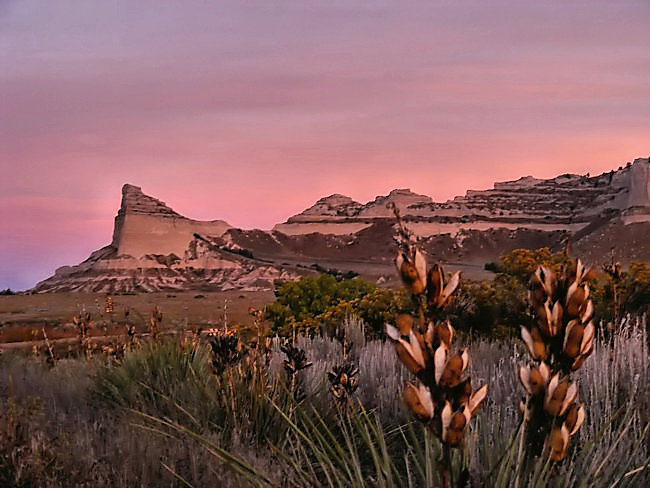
(22, 317)
(161, 417)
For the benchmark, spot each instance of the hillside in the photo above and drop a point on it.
(155, 248)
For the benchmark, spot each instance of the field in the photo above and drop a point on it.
(162, 417)
(149, 395)
(22, 317)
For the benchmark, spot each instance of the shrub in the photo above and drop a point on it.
(626, 292)
(321, 303)
(494, 308)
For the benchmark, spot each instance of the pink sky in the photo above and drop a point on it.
(251, 111)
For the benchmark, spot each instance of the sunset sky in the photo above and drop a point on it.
(249, 111)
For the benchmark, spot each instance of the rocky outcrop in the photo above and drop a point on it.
(202, 267)
(637, 208)
(155, 248)
(566, 203)
(144, 225)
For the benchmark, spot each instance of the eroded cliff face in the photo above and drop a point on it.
(566, 203)
(638, 203)
(144, 225)
(155, 248)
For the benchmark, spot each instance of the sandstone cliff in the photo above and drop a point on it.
(155, 248)
(566, 203)
(144, 225)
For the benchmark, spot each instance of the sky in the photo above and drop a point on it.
(250, 111)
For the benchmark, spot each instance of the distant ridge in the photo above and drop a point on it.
(155, 248)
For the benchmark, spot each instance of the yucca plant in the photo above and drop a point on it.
(83, 321)
(442, 396)
(344, 382)
(559, 341)
(155, 323)
(226, 349)
(295, 363)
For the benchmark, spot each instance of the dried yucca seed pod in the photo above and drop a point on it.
(439, 291)
(455, 422)
(558, 442)
(412, 267)
(449, 373)
(534, 379)
(343, 381)
(409, 350)
(534, 342)
(550, 318)
(559, 396)
(578, 339)
(419, 400)
(574, 418)
(440, 334)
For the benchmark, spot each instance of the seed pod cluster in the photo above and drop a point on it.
(226, 350)
(442, 395)
(155, 322)
(84, 322)
(295, 363)
(344, 381)
(559, 341)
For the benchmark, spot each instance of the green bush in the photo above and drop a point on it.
(489, 307)
(501, 305)
(632, 290)
(320, 303)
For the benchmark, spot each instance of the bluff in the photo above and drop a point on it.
(155, 248)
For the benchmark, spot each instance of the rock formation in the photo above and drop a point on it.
(155, 248)
(144, 225)
(566, 203)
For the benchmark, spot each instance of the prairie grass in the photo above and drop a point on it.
(161, 417)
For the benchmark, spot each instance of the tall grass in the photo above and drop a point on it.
(160, 417)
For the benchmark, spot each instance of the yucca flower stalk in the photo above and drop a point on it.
(226, 350)
(260, 350)
(559, 340)
(51, 359)
(155, 323)
(83, 321)
(344, 382)
(442, 395)
(295, 363)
